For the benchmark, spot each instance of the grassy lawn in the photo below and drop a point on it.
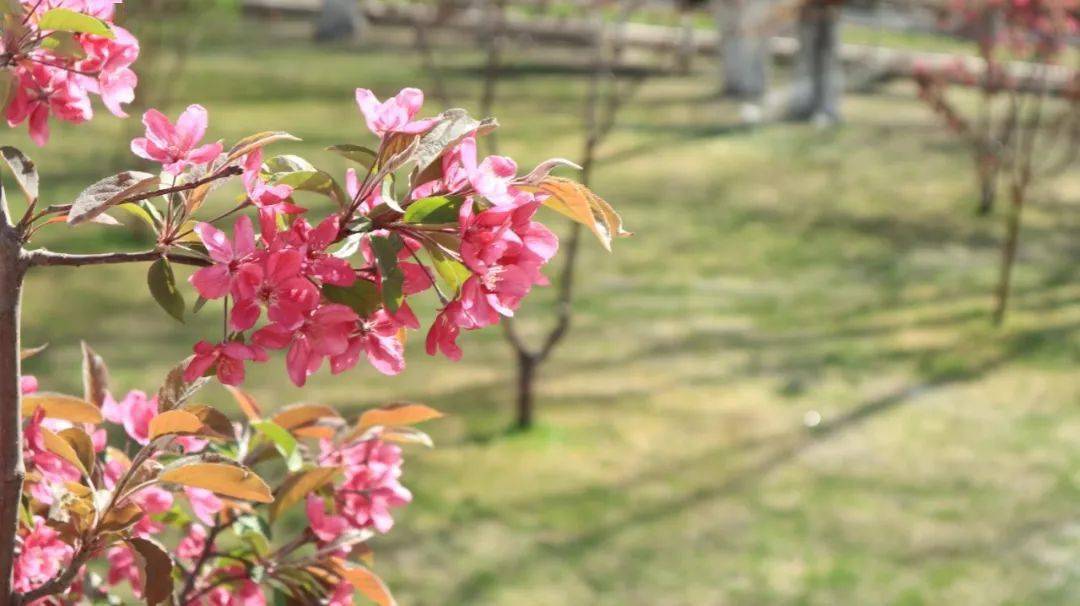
(778, 275)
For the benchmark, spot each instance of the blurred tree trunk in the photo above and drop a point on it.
(605, 96)
(744, 48)
(339, 20)
(818, 80)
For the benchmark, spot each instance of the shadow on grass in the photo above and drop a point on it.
(778, 451)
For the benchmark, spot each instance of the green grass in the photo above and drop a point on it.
(775, 272)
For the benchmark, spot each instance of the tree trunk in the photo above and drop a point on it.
(526, 378)
(12, 472)
(1008, 254)
(744, 48)
(818, 82)
(339, 20)
(987, 170)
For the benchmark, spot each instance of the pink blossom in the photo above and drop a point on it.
(153, 500)
(326, 527)
(312, 243)
(42, 555)
(241, 591)
(229, 358)
(443, 334)
(275, 282)
(124, 566)
(492, 178)
(228, 256)
(28, 384)
(193, 544)
(324, 333)
(175, 146)
(111, 60)
(271, 198)
(134, 412)
(204, 504)
(371, 487)
(53, 469)
(342, 595)
(43, 91)
(377, 339)
(395, 115)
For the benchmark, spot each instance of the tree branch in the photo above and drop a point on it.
(47, 258)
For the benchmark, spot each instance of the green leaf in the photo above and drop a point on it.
(362, 297)
(109, 192)
(24, 170)
(162, 284)
(393, 280)
(66, 20)
(137, 211)
(453, 272)
(283, 441)
(7, 89)
(315, 181)
(364, 156)
(454, 125)
(434, 210)
(11, 7)
(255, 531)
(288, 163)
(65, 44)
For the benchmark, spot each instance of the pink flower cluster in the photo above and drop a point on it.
(53, 82)
(370, 490)
(42, 555)
(1030, 29)
(43, 552)
(279, 274)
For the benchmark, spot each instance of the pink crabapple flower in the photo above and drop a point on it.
(492, 177)
(28, 384)
(52, 469)
(395, 115)
(124, 566)
(312, 243)
(42, 555)
(228, 257)
(241, 591)
(43, 91)
(228, 357)
(444, 332)
(277, 283)
(325, 333)
(269, 198)
(134, 413)
(378, 339)
(204, 504)
(175, 146)
(371, 487)
(342, 595)
(325, 527)
(192, 545)
(111, 59)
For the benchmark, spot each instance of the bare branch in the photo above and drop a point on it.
(46, 258)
